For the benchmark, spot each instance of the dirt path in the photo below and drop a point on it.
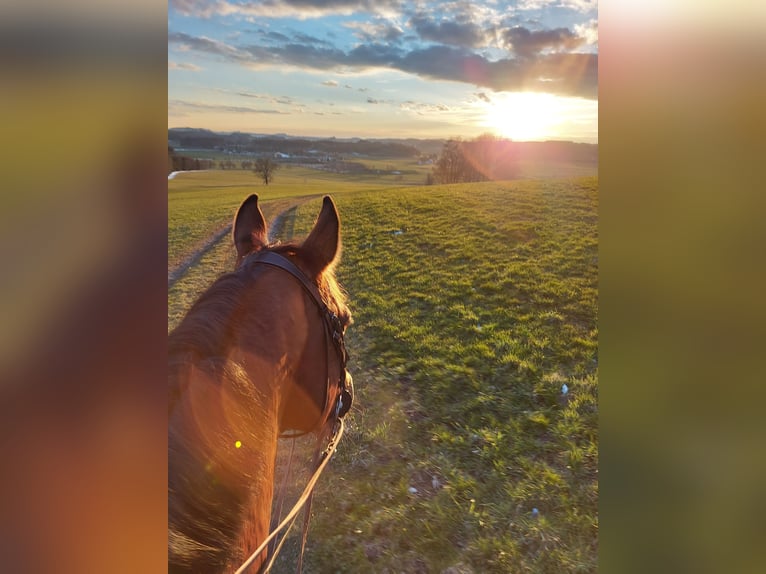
(281, 228)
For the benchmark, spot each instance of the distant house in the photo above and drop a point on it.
(280, 155)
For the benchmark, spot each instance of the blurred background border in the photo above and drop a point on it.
(83, 289)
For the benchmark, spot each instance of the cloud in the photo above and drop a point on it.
(183, 66)
(307, 39)
(372, 101)
(301, 9)
(283, 100)
(423, 108)
(588, 32)
(526, 43)
(330, 83)
(583, 6)
(206, 45)
(568, 74)
(375, 31)
(453, 33)
(197, 8)
(483, 97)
(561, 74)
(274, 36)
(183, 104)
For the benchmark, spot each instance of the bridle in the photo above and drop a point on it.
(334, 339)
(333, 333)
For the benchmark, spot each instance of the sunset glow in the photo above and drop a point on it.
(531, 116)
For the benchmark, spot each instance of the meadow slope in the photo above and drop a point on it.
(474, 305)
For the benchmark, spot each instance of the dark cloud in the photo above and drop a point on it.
(206, 45)
(220, 108)
(453, 33)
(306, 39)
(559, 73)
(292, 54)
(275, 37)
(382, 55)
(527, 43)
(483, 97)
(392, 33)
(562, 74)
(251, 95)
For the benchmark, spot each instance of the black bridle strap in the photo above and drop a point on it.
(277, 260)
(334, 329)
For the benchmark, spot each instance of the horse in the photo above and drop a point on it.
(259, 354)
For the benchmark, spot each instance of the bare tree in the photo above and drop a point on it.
(486, 157)
(454, 164)
(265, 167)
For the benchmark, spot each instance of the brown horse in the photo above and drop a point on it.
(260, 353)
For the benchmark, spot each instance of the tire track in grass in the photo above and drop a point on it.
(181, 269)
(282, 228)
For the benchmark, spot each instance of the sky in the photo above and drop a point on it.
(522, 69)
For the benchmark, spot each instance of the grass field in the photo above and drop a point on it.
(200, 202)
(473, 305)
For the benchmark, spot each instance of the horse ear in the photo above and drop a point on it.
(249, 230)
(323, 243)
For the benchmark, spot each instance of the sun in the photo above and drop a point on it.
(523, 116)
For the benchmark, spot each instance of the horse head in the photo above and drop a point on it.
(258, 355)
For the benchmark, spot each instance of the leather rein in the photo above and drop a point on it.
(333, 339)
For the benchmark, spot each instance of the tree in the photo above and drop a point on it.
(265, 167)
(486, 157)
(454, 164)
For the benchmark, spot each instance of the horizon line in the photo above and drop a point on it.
(229, 132)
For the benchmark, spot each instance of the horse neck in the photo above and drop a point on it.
(226, 423)
(271, 348)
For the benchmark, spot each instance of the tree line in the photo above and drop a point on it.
(241, 142)
(185, 163)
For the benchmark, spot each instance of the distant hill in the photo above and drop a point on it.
(191, 138)
(545, 156)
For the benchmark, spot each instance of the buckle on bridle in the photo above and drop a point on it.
(346, 396)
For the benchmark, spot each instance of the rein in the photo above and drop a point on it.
(334, 333)
(292, 515)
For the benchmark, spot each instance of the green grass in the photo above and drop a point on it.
(468, 322)
(473, 305)
(199, 203)
(202, 203)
